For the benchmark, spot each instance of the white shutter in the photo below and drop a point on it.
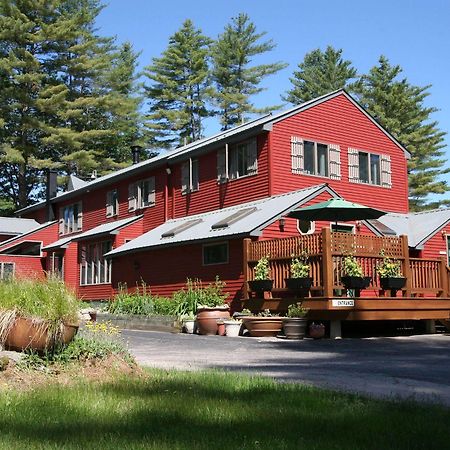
(252, 157)
(297, 155)
(132, 197)
(222, 165)
(386, 179)
(185, 177)
(353, 165)
(61, 220)
(80, 216)
(334, 161)
(151, 191)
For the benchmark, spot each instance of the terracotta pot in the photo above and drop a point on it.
(316, 331)
(295, 327)
(207, 319)
(263, 326)
(220, 327)
(34, 334)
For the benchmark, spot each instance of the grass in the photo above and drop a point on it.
(177, 410)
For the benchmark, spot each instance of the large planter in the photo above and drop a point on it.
(189, 326)
(207, 319)
(295, 327)
(263, 326)
(35, 334)
(260, 285)
(356, 282)
(299, 284)
(232, 328)
(392, 283)
(317, 330)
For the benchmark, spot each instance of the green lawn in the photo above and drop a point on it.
(177, 410)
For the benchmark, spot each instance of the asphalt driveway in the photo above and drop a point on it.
(417, 366)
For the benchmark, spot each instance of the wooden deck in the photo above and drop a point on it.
(425, 296)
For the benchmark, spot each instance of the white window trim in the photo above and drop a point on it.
(190, 187)
(41, 243)
(311, 231)
(384, 159)
(62, 232)
(109, 203)
(2, 269)
(140, 188)
(52, 262)
(369, 169)
(213, 245)
(227, 176)
(107, 269)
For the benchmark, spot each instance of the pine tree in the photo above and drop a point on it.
(235, 80)
(178, 91)
(399, 107)
(320, 73)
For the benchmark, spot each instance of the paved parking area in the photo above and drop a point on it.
(416, 366)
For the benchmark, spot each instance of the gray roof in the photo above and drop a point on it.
(21, 236)
(75, 183)
(244, 219)
(15, 226)
(246, 129)
(104, 229)
(419, 226)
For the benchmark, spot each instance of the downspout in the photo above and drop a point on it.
(269, 164)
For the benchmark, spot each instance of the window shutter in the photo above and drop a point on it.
(297, 155)
(185, 177)
(353, 165)
(386, 179)
(109, 205)
(252, 157)
(151, 191)
(80, 216)
(61, 221)
(132, 197)
(334, 161)
(195, 175)
(222, 165)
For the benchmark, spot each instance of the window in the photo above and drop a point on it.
(306, 226)
(189, 176)
(6, 270)
(25, 248)
(112, 203)
(215, 254)
(70, 218)
(57, 264)
(314, 158)
(141, 194)
(342, 228)
(237, 161)
(94, 267)
(369, 168)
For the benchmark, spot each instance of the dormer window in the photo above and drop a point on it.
(237, 161)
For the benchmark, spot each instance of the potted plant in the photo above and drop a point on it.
(262, 281)
(391, 277)
(295, 323)
(299, 281)
(263, 324)
(232, 327)
(317, 330)
(188, 323)
(353, 275)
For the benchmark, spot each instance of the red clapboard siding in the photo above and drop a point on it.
(165, 270)
(45, 235)
(26, 266)
(338, 121)
(212, 195)
(71, 267)
(436, 244)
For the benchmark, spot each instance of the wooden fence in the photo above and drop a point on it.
(327, 250)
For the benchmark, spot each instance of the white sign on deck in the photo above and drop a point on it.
(341, 302)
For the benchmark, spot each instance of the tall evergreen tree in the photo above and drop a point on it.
(235, 80)
(178, 91)
(320, 73)
(399, 107)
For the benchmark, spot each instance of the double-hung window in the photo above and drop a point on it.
(315, 158)
(70, 218)
(112, 203)
(94, 267)
(369, 168)
(141, 194)
(6, 270)
(237, 161)
(189, 176)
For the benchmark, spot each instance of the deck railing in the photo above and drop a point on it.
(327, 250)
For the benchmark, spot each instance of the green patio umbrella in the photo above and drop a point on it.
(337, 209)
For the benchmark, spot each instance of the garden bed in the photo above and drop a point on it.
(139, 322)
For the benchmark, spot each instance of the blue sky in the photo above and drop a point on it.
(414, 34)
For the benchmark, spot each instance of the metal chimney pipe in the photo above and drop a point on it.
(136, 153)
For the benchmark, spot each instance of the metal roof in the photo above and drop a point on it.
(265, 212)
(60, 243)
(15, 226)
(21, 236)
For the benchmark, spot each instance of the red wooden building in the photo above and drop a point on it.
(187, 212)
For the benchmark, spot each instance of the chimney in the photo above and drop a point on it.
(136, 152)
(51, 190)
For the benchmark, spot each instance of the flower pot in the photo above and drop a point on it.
(295, 327)
(207, 319)
(232, 328)
(392, 283)
(356, 282)
(299, 284)
(220, 327)
(263, 326)
(34, 334)
(260, 285)
(317, 331)
(189, 326)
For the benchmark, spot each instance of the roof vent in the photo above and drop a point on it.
(178, 229)
(225, 223)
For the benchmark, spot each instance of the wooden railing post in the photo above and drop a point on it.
(327, 263)
(245, 271)
(406, 265)
(443, 276)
